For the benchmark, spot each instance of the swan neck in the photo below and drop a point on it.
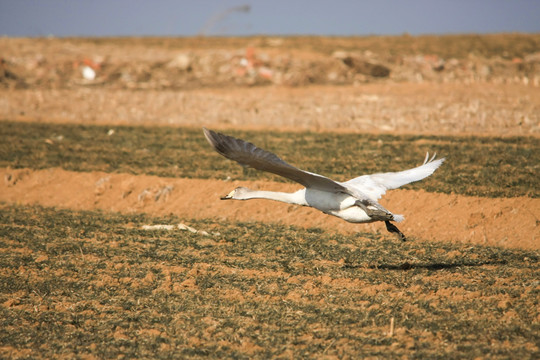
(291, 198)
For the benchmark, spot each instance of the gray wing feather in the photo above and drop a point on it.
(247, 154)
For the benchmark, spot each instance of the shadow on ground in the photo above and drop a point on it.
(427, 266)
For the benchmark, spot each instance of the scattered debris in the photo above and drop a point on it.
(182, 62)
(9, 180)
(103, 180)
(391, 332)
(158, 193)
(88, 73)
(158, 227)
(8, 76)
(180, 227)
(57, 138)
(362, 66)
(186, 227)
(143, 195)
(262, 65)
(102, 185)
(163, 192)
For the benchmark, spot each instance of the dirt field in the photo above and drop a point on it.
(469, 220)
(487, 92)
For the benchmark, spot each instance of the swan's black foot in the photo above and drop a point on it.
(393, 229)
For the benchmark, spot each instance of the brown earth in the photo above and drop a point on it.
(201, 82)
(198, 82)
(190, 63)
(453, 84)
(440, 217)
(455, 109)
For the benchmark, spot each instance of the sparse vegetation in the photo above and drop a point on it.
(76, 284)
(481, 166)
(96, 285)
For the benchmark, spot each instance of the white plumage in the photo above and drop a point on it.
(375, 185)
(354, 200)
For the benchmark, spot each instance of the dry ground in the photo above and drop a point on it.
(507, 222)
(490, 88)
(477, 109)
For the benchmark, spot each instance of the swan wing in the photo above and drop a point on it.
(247, 154)
(375, 185)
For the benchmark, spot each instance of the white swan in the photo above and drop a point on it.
(354, 200)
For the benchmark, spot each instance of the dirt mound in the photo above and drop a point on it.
(510, 222)
(65, 63)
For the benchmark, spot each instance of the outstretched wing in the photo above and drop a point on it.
(247, 154)
(375, 185)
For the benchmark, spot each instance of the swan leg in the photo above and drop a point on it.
(393, 229)
(377, 214)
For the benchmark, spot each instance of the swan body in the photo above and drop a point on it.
(354, 201)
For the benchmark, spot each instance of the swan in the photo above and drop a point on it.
(354, 201)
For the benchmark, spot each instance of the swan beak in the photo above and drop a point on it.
(228, 196)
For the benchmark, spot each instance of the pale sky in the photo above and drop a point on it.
(273, 17)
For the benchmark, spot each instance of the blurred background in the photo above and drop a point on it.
(417, 66)
(237, 18)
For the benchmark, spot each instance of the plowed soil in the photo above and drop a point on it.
(502, 105)
(507, 222)
(464, 286)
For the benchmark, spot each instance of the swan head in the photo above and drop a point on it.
(240, 193)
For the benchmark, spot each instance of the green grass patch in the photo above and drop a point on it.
(76, 284)
(482, 166)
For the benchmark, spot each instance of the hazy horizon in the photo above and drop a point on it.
(73, 18)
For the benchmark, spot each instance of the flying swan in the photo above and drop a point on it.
(354, 201)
